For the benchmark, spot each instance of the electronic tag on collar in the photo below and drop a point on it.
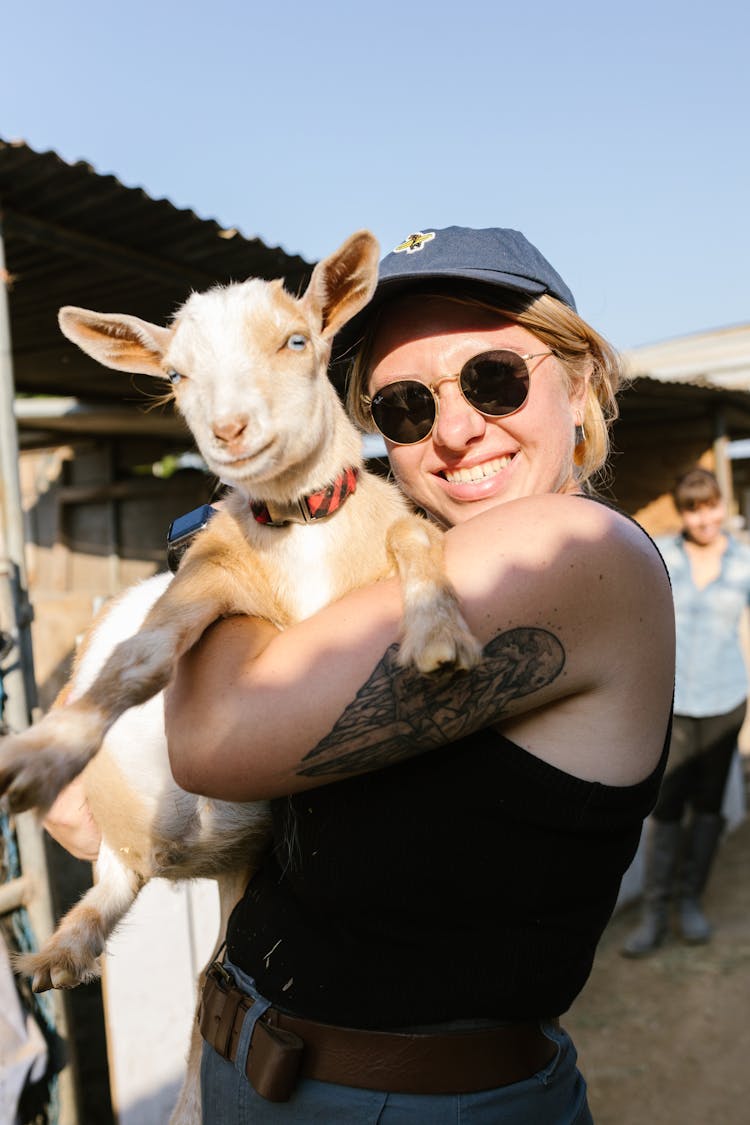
(183, 530)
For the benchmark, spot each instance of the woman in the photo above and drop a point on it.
(710, 573)
(447, 849)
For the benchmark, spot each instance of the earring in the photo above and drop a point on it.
(580, 441)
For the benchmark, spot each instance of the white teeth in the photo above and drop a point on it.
(477, 472)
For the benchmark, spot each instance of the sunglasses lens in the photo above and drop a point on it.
(495, 383)
(404, 412)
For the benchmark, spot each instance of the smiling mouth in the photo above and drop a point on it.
(233, 461)
(477, 472)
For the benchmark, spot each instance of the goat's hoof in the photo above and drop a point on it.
(41, 981)
(468, 652)
(448, 647)
(439, 654)
(31, 778)
(51, 968)
(26, 785)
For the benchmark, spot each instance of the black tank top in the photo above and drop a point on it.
(471, 882)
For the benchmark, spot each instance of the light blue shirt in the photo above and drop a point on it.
(711, 677)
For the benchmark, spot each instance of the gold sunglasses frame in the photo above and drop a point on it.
(432, 387)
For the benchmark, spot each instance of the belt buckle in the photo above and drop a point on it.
(220, 976)
(275, 1054)
(220, 1002)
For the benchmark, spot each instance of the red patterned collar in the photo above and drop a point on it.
(315, 506)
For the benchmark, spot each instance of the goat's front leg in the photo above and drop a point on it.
(71, 955)
(38, 763)
(434, 630)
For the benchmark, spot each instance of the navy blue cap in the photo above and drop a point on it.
(492, 256)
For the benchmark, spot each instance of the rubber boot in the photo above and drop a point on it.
(662, 852)
(703, 837)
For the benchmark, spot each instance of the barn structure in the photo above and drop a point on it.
(90, 480)
(91, 477)
(687, 401)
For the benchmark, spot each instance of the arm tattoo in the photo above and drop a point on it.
(398, 712)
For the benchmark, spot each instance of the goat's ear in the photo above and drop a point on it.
(116, 340)
(342, 284)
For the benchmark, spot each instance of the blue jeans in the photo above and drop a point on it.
(555, 1095)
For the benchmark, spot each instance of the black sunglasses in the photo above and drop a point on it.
(494, 383)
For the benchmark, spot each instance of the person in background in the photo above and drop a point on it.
(710, 574)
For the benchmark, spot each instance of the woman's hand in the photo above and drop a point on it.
(69, 821)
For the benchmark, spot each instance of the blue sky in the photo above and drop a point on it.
(614, 136)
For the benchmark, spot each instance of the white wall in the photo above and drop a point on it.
(150, 976)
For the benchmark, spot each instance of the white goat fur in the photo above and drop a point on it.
(267, 421)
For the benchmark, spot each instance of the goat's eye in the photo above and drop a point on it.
(297, 342)
(174, 377)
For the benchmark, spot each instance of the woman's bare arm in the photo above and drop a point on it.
(568, 598)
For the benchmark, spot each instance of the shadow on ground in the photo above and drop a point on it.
(665, 1039)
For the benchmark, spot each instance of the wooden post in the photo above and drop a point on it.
(15, 613)
(722, 462)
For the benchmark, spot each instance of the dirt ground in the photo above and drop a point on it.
(665, 1040)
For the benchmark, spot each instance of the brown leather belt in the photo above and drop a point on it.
(285, 1048)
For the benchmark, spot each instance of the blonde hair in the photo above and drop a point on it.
(577, 347)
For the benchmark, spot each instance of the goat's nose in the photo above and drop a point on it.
(229, 429)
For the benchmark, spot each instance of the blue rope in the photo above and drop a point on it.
(23, 935)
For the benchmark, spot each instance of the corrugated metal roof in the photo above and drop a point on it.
(720, 358)
(73, 236)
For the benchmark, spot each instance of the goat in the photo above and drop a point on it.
(247, 364)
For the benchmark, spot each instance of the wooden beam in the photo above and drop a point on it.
(113, 490)
(31, 229)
